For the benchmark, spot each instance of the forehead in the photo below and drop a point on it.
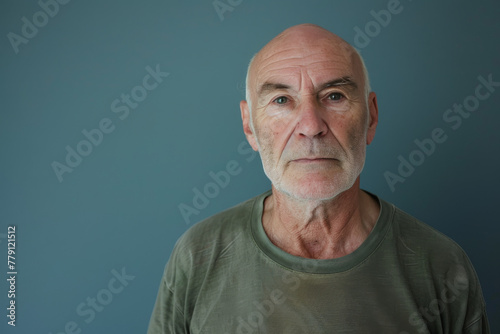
(310, 61)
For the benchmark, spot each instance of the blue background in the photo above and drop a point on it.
(119, 208)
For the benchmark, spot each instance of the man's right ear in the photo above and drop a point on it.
(247, 129)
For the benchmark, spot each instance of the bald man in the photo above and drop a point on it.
(315, 254)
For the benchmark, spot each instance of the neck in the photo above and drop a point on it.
(322, 229)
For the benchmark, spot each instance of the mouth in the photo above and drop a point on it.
(313, 160)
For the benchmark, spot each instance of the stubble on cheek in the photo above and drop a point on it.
(270, 155)
(356, 146)
(265, 143)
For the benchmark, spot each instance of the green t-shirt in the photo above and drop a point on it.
(226, 277)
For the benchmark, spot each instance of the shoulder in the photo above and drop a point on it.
(222, 228)
(433, 262)
(202, 245)
(434, 253)
(419, 236)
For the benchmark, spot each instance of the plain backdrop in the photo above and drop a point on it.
(69, 69)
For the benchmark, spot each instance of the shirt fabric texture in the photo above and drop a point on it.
(226, 276)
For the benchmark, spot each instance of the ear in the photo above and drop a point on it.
(247, 129)
(373, 110)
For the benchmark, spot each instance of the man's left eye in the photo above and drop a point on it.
(335, 96)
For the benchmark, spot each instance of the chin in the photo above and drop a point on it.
(315, 190)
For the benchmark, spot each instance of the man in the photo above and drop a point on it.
(316, 254)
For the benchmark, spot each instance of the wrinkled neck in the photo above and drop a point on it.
(320, 229)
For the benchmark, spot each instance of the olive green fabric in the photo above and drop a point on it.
(225, 276)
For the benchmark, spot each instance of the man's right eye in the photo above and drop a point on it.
(281, 100)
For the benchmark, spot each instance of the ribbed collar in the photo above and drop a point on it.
(313, 266)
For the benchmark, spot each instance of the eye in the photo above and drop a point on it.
(335, 96)
(281, 100)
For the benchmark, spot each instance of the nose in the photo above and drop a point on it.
(310, 122)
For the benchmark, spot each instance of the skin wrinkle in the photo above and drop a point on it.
(316, 209)
(269, 88)
(298, 124)
(305, 154)
(345, 48)
(297, 235)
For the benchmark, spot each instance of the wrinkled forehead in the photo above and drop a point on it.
(313, 61)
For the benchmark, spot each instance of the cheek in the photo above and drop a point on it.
(357, 136)
(349, 131)
(271, 131)
(272, 138)
(354, 139)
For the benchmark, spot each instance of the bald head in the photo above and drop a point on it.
(301, 41)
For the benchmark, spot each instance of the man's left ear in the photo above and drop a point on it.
(373, 111)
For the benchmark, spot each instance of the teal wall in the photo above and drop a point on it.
(115, 114)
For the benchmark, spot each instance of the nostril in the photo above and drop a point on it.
(312, 127)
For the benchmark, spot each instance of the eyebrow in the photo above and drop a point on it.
(344, 81)
(347, 81)
(268, 87)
